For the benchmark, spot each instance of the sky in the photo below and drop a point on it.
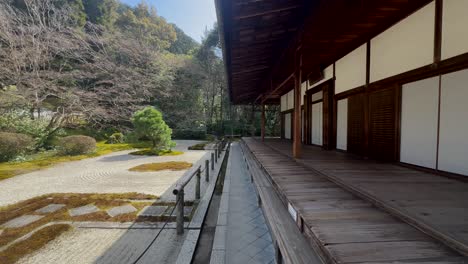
(192, 16)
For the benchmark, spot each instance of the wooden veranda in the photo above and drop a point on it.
(355, 211)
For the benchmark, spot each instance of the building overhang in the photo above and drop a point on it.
(264, 42)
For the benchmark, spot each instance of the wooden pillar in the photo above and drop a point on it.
(297, 144)
(263, 122)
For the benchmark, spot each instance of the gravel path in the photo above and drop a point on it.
(105, 174)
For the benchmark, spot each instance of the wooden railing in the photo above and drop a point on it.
(180, 186)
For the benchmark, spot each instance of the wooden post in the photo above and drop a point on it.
(212, 161)
(197, 186)
(263, 122)
(207, 170)
(180, 212)
(297, 144)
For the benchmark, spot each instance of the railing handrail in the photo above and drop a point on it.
(180, 185)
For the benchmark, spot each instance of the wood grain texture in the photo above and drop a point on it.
(432, 203)
(342, 226)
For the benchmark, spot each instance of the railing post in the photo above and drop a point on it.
(212, 161)
(207, 170)
(216, 155)
(180, 212)
(197, 187)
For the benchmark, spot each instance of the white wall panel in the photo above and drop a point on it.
(453, 138)
(327, 75)
(302, 125)
(405, 46)
(419, 121)
(291, 99)
(317, 123)
(284, 102)
(351, 70)
(454, 28)
(287, 126)
(342, 125)
(303, 91)
(317, 96)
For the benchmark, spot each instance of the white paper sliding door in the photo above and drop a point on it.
(317, 123)
(419, 122)
(287, 126)
(453, 138)
(342, 125)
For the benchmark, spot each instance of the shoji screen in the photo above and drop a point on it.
(453, 137)
(419, 121)
(342, 125)
(317, 123)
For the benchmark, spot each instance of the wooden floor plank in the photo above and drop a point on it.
(347, 228)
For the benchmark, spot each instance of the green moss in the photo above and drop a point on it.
(35, 242)
(46, 159)
(170, 165)
(200, 146)
(152, 152)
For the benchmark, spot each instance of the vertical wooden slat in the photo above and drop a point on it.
(263, 122)
(297, 144)
(328, 92)
(438, 31)
(382, 109)
(356, 142)
(306, 119)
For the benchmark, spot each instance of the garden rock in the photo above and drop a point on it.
(120, 210)
(83, 210)
(22, 221)
(153, 210)
(51, 208)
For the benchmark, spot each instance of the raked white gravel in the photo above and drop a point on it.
(105, 174)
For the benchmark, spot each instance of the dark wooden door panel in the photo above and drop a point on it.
(382, 138)
(356, 124)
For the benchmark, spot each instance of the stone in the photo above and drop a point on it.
(22, 221)
(83, 210)
(153, 210)
(50, 208)
(187, 211)
(120, 210)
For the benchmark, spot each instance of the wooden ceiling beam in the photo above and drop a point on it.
(268, 12)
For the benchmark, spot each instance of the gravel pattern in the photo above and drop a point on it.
(109, 246)
(105, 174)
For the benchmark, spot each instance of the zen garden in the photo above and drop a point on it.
(233, 132)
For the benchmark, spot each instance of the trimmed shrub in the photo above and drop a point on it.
(14, 144)
(116, 138)
(76, 145)
(200, 146)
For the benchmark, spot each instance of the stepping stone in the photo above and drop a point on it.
(153, 210)
(83, 210)
(187, 211)
(22, 221)
(50, 208)
(120, 210)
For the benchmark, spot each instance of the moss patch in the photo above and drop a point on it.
(152, 152)
(50, 158)
(170, 165)
(71, 200)
(200, 146)
(33, 243)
